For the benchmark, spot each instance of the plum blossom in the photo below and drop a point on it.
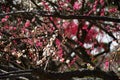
(27, 24)
(85, 27)
(65, 24)
(73, 61)
(76, 6)
(112, 10)
(14, 28)
(3, 20)
(60, 51)
(30, 41)
(102, 12)
(33, 20)
(6, 16)
(6, 27)
(102, 2)
(57, 41)
(74, 28)
(92, 33)
(106, 65)
(71, 29)
(38, 44)
(95, 5)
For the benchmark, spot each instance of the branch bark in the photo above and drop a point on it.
(53, 14)
(78, 73)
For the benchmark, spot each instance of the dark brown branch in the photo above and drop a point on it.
(6, 68)
(106, 51)
(15, 75)
(78, 73)
(53, 4)
(65, 75)
(84, 17)
(35, 4)
(16, 72)
(53, 14)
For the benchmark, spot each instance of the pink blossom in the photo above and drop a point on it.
(6, 16)
(106, 65)
(18, 19)
(95, 5)
(89, 12)
(65, 24)
(6, 27)
(80, 43)
(46, 5)
(23, 30)
(102, 12)
(73, 61)
(94, 8)
(38, 44)
(33, 20)
(57, 41)
(61, 3)
(14, 28)
(27, 24)
(30, 41)
(10, 27)
(76, 6)
(111, 10)
(60, 53)
(62, 60)
(14, 41)
(74, 28)
(85, 27)
(71, 28)
(102, 2)
(31, 55)
(96, 2)
(3, 20)
(91, 34)
(88, 52)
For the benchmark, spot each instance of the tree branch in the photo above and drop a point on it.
(78, 73)
(63, 75)
(53, 14)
